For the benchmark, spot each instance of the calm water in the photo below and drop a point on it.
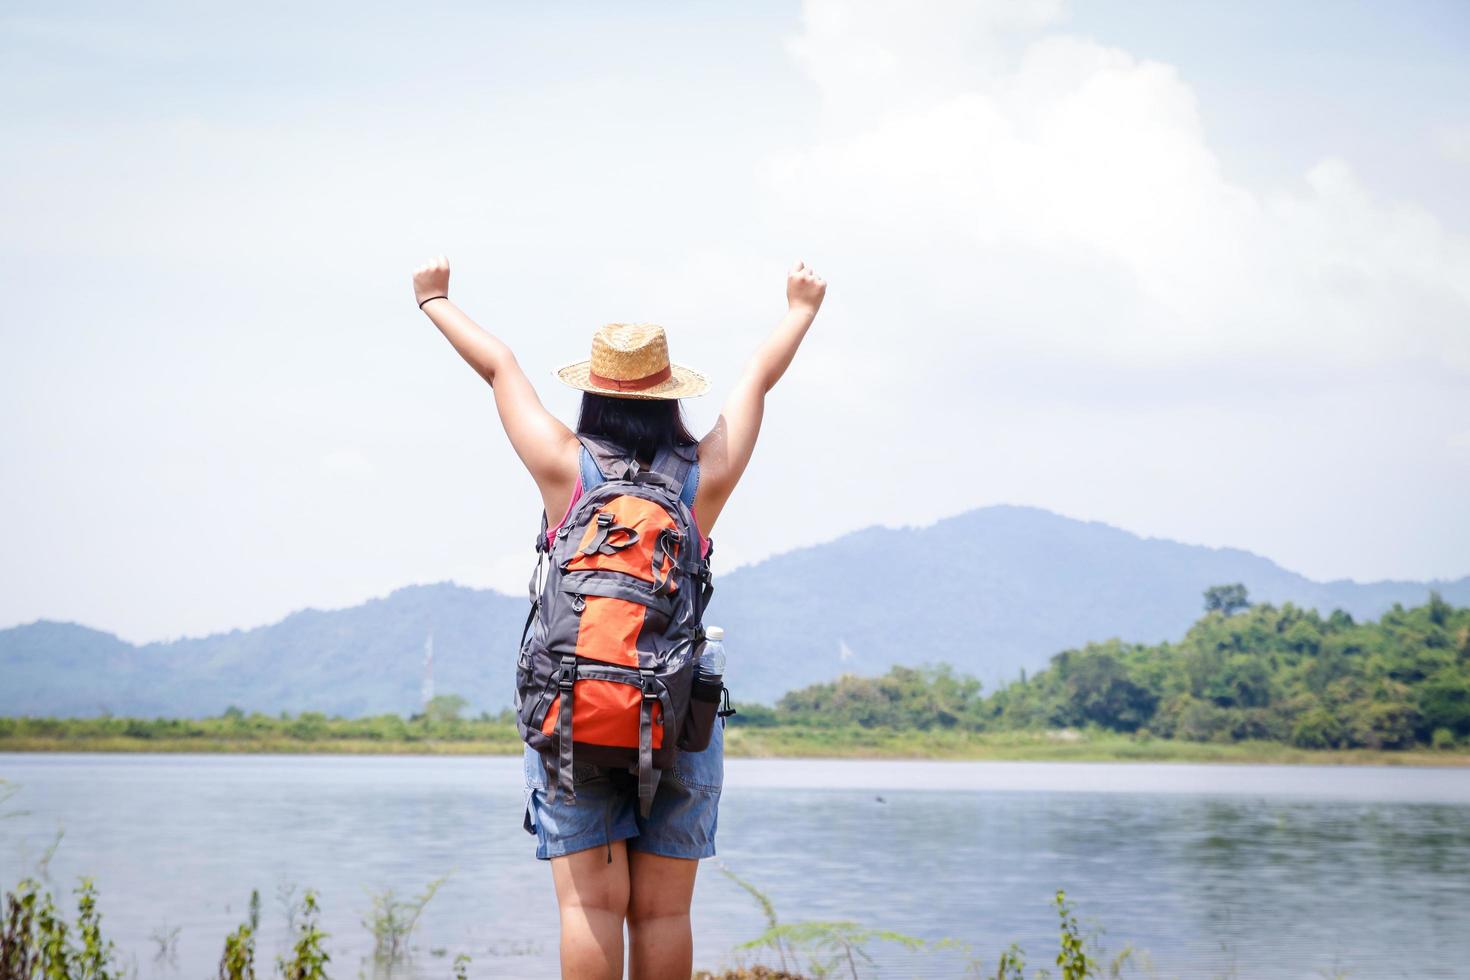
(1246, 871)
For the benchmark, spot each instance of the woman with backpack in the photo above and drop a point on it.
(612, 860)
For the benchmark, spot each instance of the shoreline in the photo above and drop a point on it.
(744, 743)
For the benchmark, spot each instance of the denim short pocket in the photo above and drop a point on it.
(704, 770)
(533, 766)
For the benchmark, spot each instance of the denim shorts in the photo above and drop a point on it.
(680, 823)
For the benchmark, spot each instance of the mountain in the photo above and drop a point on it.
(993, 591)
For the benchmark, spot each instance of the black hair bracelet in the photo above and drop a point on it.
(421, 305)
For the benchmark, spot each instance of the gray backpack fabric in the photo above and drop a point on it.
(607, 658)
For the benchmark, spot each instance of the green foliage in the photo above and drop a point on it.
(1444, 701)
(750, 715)
(462, 966)
(256, 731)
(1072, 957)
(445, 707)
(19, 946)
(825, 946)
(1265, 673)
(1226, 599)
(392, 920)
(1260, 674)
(1012, 964)
(1078, 954)
(308, 958)
(36, 942)
(238, 960)
(96, 954)
(830, 946)
(926, 697)
(767, 909)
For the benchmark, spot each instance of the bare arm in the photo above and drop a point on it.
(726, 450)
(540, 439)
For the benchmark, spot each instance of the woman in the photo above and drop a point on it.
(608, 865)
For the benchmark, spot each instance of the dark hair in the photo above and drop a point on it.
(642, 425)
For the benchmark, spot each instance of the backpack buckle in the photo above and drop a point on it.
(646, 679)
(666, 545)
(567, 675)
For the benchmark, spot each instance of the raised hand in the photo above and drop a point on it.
(804, 289)
(431, 279)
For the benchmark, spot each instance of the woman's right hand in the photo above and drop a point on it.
(804, 289)
(431, 279)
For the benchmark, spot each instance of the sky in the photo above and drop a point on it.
(1200, 271)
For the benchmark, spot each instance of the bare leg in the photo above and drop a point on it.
(593, 897)
(660, 891)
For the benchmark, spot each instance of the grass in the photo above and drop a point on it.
(778, 742)
(1066, 746)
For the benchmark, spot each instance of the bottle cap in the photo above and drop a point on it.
(714, 632)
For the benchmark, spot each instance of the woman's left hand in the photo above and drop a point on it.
(804, 289)
(431, 279)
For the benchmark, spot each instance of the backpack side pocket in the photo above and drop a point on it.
(699, 724)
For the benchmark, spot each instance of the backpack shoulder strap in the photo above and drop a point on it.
(608, 460)
(681, 467)
(603, 459)
(691, 485)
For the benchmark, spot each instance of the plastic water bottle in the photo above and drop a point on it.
(712, 659)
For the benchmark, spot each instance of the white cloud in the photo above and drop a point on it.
(1046, 289)
(348, 463)
(1084, 163)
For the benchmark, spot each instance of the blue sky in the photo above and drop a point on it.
(1197, 270)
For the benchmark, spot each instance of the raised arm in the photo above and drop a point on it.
(540, 439)
(725, 451)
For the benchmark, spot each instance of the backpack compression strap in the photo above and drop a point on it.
(647, 774)
(560, 777)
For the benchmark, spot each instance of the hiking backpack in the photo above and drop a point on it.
(608, 654)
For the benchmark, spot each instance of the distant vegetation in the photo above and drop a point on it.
(440, 725)
(1241, 673)
(1246, 683)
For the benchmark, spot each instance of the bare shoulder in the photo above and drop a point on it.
(559, 483)
(715, 485)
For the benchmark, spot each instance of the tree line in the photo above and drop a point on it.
(1241, 672)
(444, 719)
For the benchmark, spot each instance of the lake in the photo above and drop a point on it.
(1216, 871)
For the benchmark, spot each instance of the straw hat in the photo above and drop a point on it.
(631, 360)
